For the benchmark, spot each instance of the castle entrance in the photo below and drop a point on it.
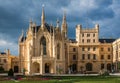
(47, 68)
(36, 67)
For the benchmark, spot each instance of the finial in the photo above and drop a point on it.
(43, 16)
(97, 26)
(30, 20)
(22, 33)
(51, 24)
(30, 25)
(57, 23)
(64, 16)
(43, 5)
(34, 24)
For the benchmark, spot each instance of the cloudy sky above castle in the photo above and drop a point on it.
(16, 14)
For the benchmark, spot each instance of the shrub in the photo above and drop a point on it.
(1, 69)
(104, 73)
(10, 72)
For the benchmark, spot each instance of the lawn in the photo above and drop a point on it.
(68, 79)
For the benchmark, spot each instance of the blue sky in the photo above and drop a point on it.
(16, 14)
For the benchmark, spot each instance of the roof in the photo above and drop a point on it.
(2, 53)
(49, 28)
(22, 39)
(73, 40)
(106, 40)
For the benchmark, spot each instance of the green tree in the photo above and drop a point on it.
(10, 72)
(1, 69)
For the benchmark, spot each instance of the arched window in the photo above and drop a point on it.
(89, 67)
(109, 67)
(43, 45)
(58, 51)
(102, 66)
(74, 67)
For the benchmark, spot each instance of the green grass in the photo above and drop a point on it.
(76, 79)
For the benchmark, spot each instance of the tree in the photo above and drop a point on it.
(10, 72)
(1, 69)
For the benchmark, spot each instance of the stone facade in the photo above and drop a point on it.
(47, 49)
(116, 54)
(8, 61)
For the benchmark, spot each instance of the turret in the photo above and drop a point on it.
(97, 27)
(8, 52)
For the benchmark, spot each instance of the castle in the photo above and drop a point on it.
(47, 49)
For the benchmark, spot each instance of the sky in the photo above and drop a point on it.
(16, 14)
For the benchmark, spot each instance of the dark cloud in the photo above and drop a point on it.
(60, 3)
(104, 3)
(101, 14)
(15, 15)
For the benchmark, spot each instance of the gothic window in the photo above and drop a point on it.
(43, 46)
(58, 51)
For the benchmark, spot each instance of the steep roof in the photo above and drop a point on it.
(73, 40)
(106, 40)
(47, 26)
(2, 53)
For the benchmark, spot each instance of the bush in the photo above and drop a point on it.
(104, 73)
(10, 72)
(1, 69)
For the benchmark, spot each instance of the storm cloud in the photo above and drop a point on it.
(15, 16)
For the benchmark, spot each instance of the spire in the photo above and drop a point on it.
(30, 23)
(22, 33)
(22, 36)
(64, 25)
(43, 16)
(64, 17)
